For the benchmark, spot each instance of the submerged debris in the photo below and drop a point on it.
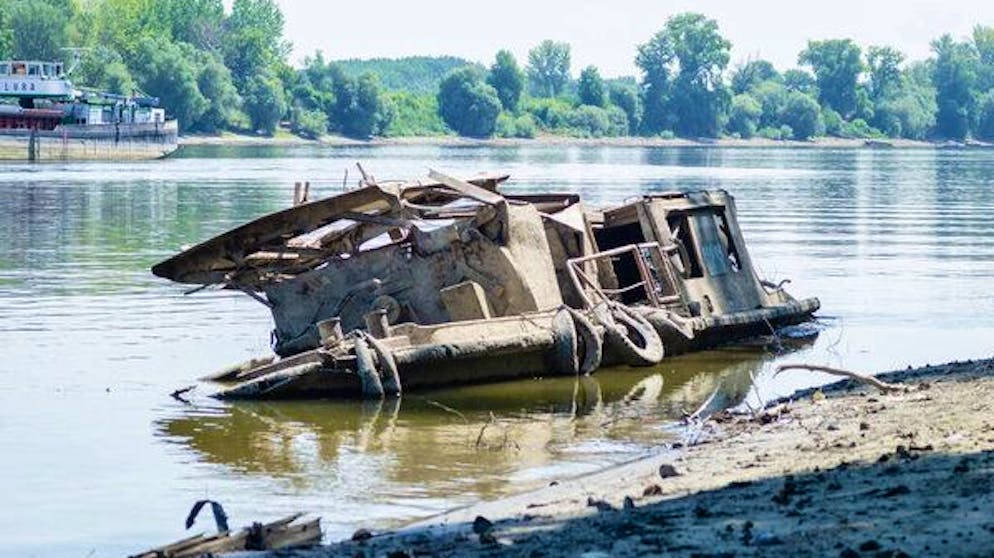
(282, 533)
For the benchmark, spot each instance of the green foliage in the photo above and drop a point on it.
(915, 106)
(693, 52)
(197, 22)
(796, 79)
(747, 76)
(217, 86)
(883, 64)
(420, 75)
(38, 29)
(548, 68)
(837, 64)
(859, 128)
(775, 133)
(772, 96)
(985, 116)
(626, 97)
(507, 79)
(655, 59)
(216, 70)
(354, 107)
(954, 75)
(803, 115)
(590, 88)
(368, 113)
(833, 122)
(467, 104)
(264, 102)
(253, 44)
(983, 43)
(103, 68)
(552, 113)
(163, 69)
(414, 115)
(744, 117)
(596, 122)
(510, 126)
(309, 123)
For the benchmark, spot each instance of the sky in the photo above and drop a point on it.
(606, 33)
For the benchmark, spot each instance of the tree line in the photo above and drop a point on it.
(217, 69)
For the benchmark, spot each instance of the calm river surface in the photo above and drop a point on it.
(98, 460)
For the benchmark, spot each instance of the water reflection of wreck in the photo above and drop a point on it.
(398, 440)
(450, 282)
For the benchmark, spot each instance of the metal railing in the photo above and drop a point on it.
(660, 287)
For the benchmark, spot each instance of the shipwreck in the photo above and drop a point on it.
(406, 285)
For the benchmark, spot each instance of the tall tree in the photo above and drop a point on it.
(507, 78)
(655, 59)
(752, 73)
(590, 88)
(692, 50)
(38, 29)
(548, 68)
(803, 115)
(837, 64)
(985, 116)
(626, 97)
(467, 104)
(796, 79)
(216, 85)
(953, 75)
(983, 42)
(164, 69)
(883, 64)
(198, 22)
(253, 39)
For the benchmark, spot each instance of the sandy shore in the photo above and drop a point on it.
(285, 139)
(840, 471)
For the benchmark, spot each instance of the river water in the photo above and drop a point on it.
(98, 460)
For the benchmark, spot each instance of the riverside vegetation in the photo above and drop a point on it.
(218, 69)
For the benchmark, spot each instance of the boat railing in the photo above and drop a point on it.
(657, 277)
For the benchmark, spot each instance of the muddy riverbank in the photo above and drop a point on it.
(843, 470)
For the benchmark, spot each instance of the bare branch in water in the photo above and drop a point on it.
(447, 408)
(862, 378)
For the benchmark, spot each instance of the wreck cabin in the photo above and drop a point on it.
(681, 261)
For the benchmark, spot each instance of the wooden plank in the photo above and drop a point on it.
(467, 189)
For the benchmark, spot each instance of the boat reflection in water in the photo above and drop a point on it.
(458, 445)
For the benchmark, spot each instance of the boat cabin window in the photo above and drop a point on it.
(19, 69)
(683, 237)
(624, 265)
(731, 253)
(34, 69)
(46, 70)
(4, 69)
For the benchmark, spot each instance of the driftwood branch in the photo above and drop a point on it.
(447, 409)
(862, 378)
(178, 394)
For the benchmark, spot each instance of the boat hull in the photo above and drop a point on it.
(109, 142)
